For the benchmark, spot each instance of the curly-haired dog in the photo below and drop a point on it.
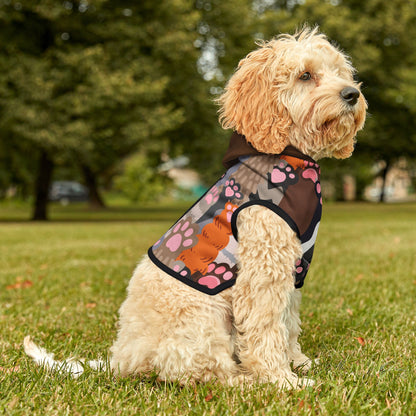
(217, 297)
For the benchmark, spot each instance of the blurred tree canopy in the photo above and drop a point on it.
(89, 83)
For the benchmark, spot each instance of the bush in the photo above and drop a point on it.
(140, 181)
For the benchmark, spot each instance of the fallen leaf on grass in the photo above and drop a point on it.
(359, 277)
(302, 404)
(360, 340)
(209, 396)
(20, 284)
(91, 305)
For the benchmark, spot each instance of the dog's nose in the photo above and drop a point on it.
(350, 95)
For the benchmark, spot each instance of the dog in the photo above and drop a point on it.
(217, 297)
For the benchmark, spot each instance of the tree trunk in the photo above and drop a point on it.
(42, 185)
(95, 199)
(384, 177)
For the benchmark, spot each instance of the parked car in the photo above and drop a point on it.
(68, 191)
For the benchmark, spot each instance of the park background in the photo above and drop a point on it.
(119, 96)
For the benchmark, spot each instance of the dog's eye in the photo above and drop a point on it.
(306, 76)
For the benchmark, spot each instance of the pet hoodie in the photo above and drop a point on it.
(200, 248)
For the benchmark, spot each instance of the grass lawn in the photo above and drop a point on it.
(62, 282)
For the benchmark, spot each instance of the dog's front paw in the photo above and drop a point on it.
(297, 383)
(306, 382)
(304, 364)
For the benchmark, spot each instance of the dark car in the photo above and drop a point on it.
(68, 191)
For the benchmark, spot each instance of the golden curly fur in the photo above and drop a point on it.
(265, 101)
(294, 90)
(248, 332)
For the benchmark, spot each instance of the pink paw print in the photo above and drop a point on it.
(283, 174)
(232, 189)
(212, 196)
(215, 274)
(318, 192)
(311, 174)
(301, 268)
(178, 267)
(312, 165)
(230, 211)
(298, 265)
(183, 236)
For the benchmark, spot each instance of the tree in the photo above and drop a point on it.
(223, 35)
(90, 83)
(81, 83)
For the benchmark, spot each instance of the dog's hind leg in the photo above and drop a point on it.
(199, 348)
(268, 249)
(141, 324)
(177, 331)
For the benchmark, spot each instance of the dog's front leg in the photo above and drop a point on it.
(300, 360)
(268, 249)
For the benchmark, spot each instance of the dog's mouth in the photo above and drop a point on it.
(338, 129)
(349, 117)
(339, 135)
(346, 121)
(329, 125)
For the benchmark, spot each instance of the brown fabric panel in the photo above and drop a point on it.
(239, 146)
(300, 203)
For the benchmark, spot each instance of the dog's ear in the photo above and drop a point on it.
(251, 104)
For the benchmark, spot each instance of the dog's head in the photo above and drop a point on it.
(296, 90)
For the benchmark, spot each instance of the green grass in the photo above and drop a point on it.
(362, 285)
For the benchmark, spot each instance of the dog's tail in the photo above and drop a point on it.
(71, 365)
